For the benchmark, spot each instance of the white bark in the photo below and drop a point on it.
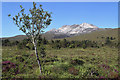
(36, 53)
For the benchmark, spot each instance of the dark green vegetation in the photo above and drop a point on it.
(65, 58)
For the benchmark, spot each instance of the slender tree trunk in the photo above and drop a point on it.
(38, 60)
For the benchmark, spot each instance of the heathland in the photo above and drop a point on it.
(92, 55)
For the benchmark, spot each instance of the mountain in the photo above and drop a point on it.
(74, 29)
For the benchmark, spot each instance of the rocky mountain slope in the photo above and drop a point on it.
(74, 29)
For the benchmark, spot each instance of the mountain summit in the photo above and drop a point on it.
(75, 29)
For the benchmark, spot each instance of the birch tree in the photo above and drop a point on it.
(33, 24)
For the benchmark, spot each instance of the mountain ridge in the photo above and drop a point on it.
(74, 29)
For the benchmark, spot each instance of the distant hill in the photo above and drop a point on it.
(14, 38)
(97, 35)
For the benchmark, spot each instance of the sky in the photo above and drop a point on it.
(101, 14)
(60, 0)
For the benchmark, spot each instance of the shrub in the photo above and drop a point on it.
(6, 42)
(21, 46)
(44, 41)
(28, 46)
(107, 41)
(77, 62)
(15, 43)
(42, 52)
(56, 46)
(72, 46)
(9, 68)
(84, 46)
(20, 58)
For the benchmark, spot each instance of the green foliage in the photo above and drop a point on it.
(24, 44)
(56, 46)
(39, 40)
(108, 41)
(30, 24)
(6, 42)
(64, 43)
(52, 41)
(84, 46)
(77, 62)
(42, 52)
(44, 41)
(9, 14)
(21, 46)
(15, 43)
(72, 46)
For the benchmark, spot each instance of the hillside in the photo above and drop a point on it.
(97, 35)
(15, 38)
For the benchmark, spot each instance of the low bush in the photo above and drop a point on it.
(77, 62)
(9, 69)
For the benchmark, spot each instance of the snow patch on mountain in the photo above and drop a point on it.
(74, 29)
